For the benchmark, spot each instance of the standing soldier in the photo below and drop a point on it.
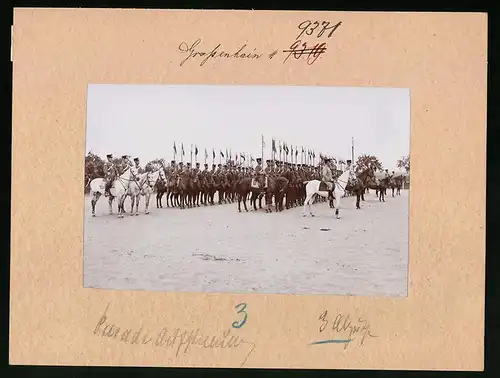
(110, 173)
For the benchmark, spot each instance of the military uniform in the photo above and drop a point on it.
(110, 174)
(327, 176)
(136, 169)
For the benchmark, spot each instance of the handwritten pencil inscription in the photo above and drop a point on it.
(342, 329)
(180, 340)
(309, 44)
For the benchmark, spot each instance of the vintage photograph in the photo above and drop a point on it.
(247, 189)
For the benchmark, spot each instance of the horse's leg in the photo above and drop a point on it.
(132, 203)
(357, 200)
(245, 201)
(137, 200)
(95, 198)
(110, 202)
(147, 197)
(120, 201)
(122, 207)
(253, 200)
(306, 201)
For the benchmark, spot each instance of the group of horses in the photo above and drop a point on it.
(285, 190)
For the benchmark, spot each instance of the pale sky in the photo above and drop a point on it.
(145, 120)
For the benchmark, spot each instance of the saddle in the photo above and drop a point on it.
(323, 187)
(255, 183)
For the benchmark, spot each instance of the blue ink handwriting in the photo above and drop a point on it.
(241, 311)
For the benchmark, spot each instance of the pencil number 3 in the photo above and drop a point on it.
(241, 310)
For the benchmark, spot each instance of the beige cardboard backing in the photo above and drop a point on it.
(440, 57)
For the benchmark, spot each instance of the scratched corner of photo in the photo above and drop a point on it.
(247, 189)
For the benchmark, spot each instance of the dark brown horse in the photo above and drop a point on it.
(356, 187)
(280, 186)
(243, 188)
(161, 189)
(396, 183)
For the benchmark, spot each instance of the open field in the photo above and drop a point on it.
(217, 249)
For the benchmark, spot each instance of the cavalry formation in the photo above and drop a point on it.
(284, 185)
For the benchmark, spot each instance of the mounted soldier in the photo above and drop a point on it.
(327, 177)
(126, 162)
(197, 169)
(110, 174)
(137, 169)
(187, 171)
(259, 176)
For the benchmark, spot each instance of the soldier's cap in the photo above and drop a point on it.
(136, 159)
(124, 156)
(219, 165)
(181, 163)
(268, 161)
(188, 164)
(172, 162)
(214, 165)
(258, 159)
(198, 164)
(109, 156)
(206, 165)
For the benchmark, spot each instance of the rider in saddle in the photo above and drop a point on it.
(171, 168)
(110, 172)
(386, 174)
(269, 168)
(136, 169)
(327, 176)
(196, 171)
(178, 171)
(187, 171)
(259, 174)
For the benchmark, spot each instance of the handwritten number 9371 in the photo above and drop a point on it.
(241, 310)
(309, 28)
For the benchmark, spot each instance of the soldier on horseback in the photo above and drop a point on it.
(136, 169)
(327, 177)
(111, 173)
(259, 175)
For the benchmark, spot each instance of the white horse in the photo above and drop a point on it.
(314, 188)
(143, 185)
(118, 190)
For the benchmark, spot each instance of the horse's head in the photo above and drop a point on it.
(262, 182)
(152, 177)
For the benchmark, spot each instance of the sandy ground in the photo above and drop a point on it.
(217, 249)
